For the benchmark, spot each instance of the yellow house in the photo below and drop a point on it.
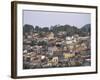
(68, 55)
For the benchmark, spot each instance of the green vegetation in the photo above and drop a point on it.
(70, 30)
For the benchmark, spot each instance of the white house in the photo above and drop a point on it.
(50, 36)
(69, 40)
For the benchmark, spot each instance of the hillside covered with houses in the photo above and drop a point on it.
(56, 46)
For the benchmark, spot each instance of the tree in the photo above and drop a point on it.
(28, 28)
(42, 43)
(33, 43)
(45, 29)
(37, 29)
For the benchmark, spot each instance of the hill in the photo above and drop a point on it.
(70, 30)
(86, 28)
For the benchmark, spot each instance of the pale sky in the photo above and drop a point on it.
(46, 19)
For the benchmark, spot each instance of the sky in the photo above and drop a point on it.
(47, 18)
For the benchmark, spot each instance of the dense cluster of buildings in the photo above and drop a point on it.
(45, 50)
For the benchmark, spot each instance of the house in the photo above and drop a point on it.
(24, 51)
(27, 57)
(68, 55)
(71, 47)
(61, 34)
(69, 40)
(35, 34)
(49, 63)
(76, 36)
(51, 42)
(55, 60)
(45, 38)
(83, 46)
(29, 37)
(65, 48)
(50, 51)
(55, 49)
(50, 35)
(84, 38)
